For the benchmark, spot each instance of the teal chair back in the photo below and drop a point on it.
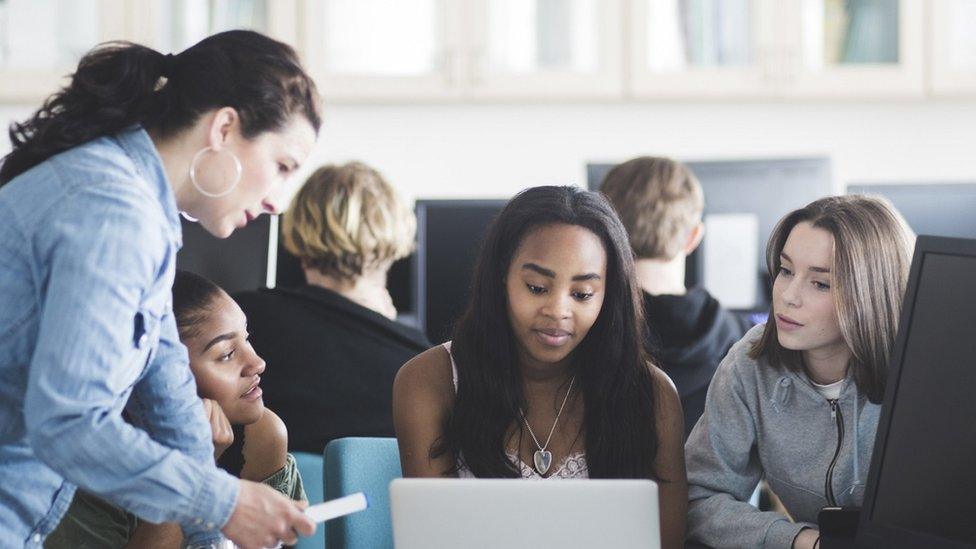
(361, 465)
(310, 467)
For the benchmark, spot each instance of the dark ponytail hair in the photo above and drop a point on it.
(615, 377)
(192, 297)
(119, 84)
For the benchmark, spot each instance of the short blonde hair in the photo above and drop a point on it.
(659, 201)
(872, 255)
(346, 220)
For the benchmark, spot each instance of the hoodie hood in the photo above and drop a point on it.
(689, 335)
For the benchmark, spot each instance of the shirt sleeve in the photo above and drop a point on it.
(724, 470)
(101, 252)
(165, 404)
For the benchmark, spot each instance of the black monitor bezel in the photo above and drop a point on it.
(869, 533)
(216, 245)
(419, 262)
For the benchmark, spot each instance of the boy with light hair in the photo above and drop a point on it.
(660, 202)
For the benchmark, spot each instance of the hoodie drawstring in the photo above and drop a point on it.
(857, 454)
(781, 393)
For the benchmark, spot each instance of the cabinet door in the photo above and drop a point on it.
(360, 50)
(41, 41)
(857, 48)
(549, 49)
(953, 53)
(703, 48)
(171, 26)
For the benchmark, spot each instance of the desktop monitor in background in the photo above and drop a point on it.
(449, 236)
(943, 209)
(922, 481)
(289, 273)
(237, 263)
(744, 199)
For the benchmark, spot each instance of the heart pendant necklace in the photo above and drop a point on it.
(542, 459)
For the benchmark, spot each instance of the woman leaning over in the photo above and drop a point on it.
(91, 199)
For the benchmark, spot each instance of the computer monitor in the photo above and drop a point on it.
(237, 263)
(922, 481)
(449, 236)
(254, 257)
(941, 209)
(764, 189)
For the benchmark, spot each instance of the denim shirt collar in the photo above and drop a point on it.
(141, 149)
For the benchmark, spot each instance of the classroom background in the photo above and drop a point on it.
(772, 102)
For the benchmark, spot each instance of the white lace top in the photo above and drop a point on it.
(572, 466)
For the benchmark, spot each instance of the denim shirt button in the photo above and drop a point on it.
(210, 526)
(37, 538)
(198, 521)
(143, 339)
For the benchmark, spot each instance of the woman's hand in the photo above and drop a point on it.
(223, 434)
(263, 517)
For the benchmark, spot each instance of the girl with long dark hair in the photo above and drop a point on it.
(546, 375)
(90, 197)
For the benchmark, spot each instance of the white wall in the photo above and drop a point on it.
(495, 150)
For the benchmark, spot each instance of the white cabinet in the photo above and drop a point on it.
(702, 48)
(41, 41)
(856, 48)
(777, 48)
(552, 49)
(436, 49)
(171, 26)
(363, 50)
(488, 50)
(953, 53)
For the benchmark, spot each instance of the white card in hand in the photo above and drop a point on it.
(338, 507)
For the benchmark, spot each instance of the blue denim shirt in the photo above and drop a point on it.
(88, 243)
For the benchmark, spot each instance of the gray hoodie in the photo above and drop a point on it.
(765, 422)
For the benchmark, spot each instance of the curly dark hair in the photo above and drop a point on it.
(120, 84)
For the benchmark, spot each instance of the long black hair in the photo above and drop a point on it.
(119, 84)
(615, 379)
(193, 296)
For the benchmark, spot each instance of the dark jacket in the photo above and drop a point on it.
(330, 363)
(688, 336)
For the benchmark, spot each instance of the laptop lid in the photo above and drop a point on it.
(481, 514)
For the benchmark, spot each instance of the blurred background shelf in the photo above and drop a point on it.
(380, 51)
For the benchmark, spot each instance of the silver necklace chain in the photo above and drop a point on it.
(555, 421)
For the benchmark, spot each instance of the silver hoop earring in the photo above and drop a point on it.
(193, 173)
(189, 217)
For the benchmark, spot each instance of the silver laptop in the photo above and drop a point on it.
(510, 514)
